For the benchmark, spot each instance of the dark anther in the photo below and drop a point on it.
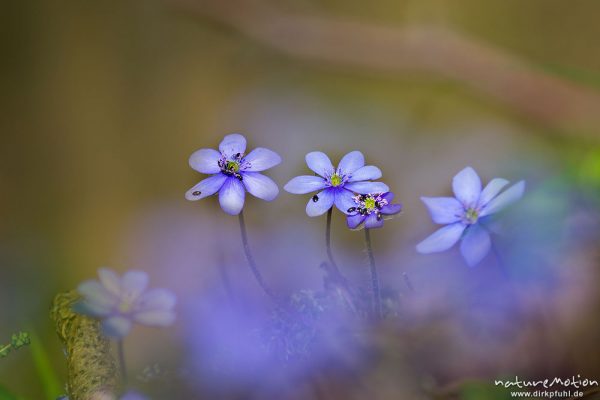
(377, 204)
(352, 209)
(197, 193)
(315, 198)
(239, 176)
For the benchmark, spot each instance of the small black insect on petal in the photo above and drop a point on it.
(315, 198)
(197, 193)
(351, 209)
(379, 216)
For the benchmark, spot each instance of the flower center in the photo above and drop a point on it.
(471, 216)
(370, 203)
(125, 306)
(336, 180)
(232, 166)
(367, 204)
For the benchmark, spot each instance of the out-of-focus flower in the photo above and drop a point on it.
(463, 214)
(371, 209)
(133, 395)
(121, 301)
(233, 173)
(336, 185)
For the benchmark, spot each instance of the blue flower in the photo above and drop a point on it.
(336, 185)
(370, 210)
(463, 214)
(234, 173)
(121, 301)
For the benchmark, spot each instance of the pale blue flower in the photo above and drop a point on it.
(233, 173)
(463, 214)
(120, 301)
(336, 185)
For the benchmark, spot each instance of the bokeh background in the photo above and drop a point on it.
(103, 102)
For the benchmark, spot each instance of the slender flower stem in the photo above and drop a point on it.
(374, 277)
(250, 259)
(328, 242)
(122, 366)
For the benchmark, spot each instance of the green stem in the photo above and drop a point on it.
(6, 348)
(250, 258)
(374, 277)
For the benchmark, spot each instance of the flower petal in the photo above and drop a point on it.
(504, 199)
(367, 187)
(305, 184)
(491, 190)
(324, 202)
(206, 187)
(233, 144)
(95, 310)
(110, 280)
(97, 299)
(389, 196)
(261, 159)
(475, 245)
(467, 187)
(344, 200)
(319, 162)
(365, 173)
(155, 318)
(391, 209)
(444, 210)
(351, 162)
(260, 185)
(442, 239)
(354, 221)
(205, 161)
(371, 222)
(118, 326)
(232, 196)
(133, 283)
(156, 299)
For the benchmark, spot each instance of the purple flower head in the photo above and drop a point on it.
(336, 185)
(463, 213)
(121, 301)
(233, 173)
(370, 210)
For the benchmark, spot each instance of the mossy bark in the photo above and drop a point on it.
(92, 370)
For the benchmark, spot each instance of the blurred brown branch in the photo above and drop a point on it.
(545, 98)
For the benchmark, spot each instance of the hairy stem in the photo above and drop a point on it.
(328, 242)
(250, 259)
(374, 277)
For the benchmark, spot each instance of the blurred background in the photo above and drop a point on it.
(103, 102)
